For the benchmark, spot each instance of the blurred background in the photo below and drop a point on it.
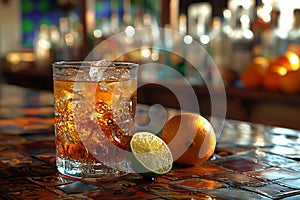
(255, 44)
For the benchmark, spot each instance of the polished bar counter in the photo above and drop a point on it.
(251, 161)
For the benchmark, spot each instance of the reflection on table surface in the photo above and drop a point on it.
(251, 161)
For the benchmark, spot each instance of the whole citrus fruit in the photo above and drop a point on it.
(282, 61)
(271, 81)
(259, 63)
(290, 83)
(252, 76)
(190, 137)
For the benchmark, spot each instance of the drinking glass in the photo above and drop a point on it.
(95, 103)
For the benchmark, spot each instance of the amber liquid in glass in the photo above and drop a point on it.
(93, 121)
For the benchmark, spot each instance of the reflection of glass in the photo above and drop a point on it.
(94, 116)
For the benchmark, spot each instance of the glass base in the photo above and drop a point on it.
(98, 170)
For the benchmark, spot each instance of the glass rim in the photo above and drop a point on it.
(90, 63)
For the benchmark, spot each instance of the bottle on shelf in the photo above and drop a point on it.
(76, 37)
(63, 51)
(68, 46)
(182, 24)
(114, 23)
(273, 39)
(258, 25)
(196, 67)
(294, 34)
(42, 47)
(242, 42)
(220, 45)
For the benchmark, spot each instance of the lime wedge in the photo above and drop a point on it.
(150, 154)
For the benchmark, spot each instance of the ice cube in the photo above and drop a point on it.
(106, 70)
(103, 63)
(125, 75)
(96, 71)
(116, 74)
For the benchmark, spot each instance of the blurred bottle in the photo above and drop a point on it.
(203, 31)
(75, 37)
(259, 24)
(177, 58)
(114, 23)
(242, 42)
(182, 24)
(127, 19)
(101, 32)
(68, 46)
(294, 34)
(63, 51)
(220, 44)
(273, 39)
(42, 47)
(54, 36)
(105, 27)
(138, 18)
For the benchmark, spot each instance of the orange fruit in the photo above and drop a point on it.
(271, 81)
(289, 61)
(259, 63)
(282, 61)
(278, 69)
(294, 60)
(252, 76)
(290, 83)
(190, 137)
